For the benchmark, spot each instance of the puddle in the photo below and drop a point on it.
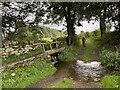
(89, 71)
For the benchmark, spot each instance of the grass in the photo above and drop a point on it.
(23, 76)
(110, 81)
(14, 58)
(88, 50)
(69, 54)
(64, 83)
(0, 81)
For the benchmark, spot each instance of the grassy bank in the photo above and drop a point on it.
(111, 81)
(69, 54)
(23, 76)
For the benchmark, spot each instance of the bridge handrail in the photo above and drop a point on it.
(46, 43)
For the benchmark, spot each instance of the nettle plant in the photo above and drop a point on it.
(110, 59)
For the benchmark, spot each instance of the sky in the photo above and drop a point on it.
(87, 27)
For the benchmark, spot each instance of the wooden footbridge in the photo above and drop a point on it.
(53, 48)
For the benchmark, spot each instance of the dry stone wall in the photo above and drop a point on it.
(13, 48)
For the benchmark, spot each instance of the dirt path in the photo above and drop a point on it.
(64, 71)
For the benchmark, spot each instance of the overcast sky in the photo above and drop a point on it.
(87, 27)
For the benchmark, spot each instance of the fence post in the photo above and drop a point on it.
(43, 47)
(50, 46)
(117, 53)
(56, 45)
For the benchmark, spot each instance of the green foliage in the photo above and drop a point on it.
(96, 32)
(52, 33)
(35, 33)
(82, 33)
(65, 83)
(69, 53)
(110, 60)
(92, 34)
(110, 81)
(21, 77)
(108, 28)
(14, 58)
(87, 34)
(110, 39)
(46, 40)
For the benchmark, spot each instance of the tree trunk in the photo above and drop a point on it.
(102, 25)
(71, 32)
(71, 40)
(119, 15)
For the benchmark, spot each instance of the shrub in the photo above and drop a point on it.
(109, 59)
(112, 38)
(69, 53)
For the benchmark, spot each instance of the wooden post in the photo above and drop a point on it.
(40, 45)
(56, 45)
(43, 47)
(117, 53)
(50, 47)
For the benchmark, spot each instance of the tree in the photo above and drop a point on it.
(71, 12)
(108, 28)
(87, 34)
(14, 16)
(106, 12)
(96, 32)
(82, 33)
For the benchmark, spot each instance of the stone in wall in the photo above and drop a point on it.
(13, 48)
(20, 51)
(17, 53)
(9, 49)
(14, 53)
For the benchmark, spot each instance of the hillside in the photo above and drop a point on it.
(34, 33)
(49, 32)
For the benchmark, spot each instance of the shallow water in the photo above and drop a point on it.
(89, 71)
(79, 70)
